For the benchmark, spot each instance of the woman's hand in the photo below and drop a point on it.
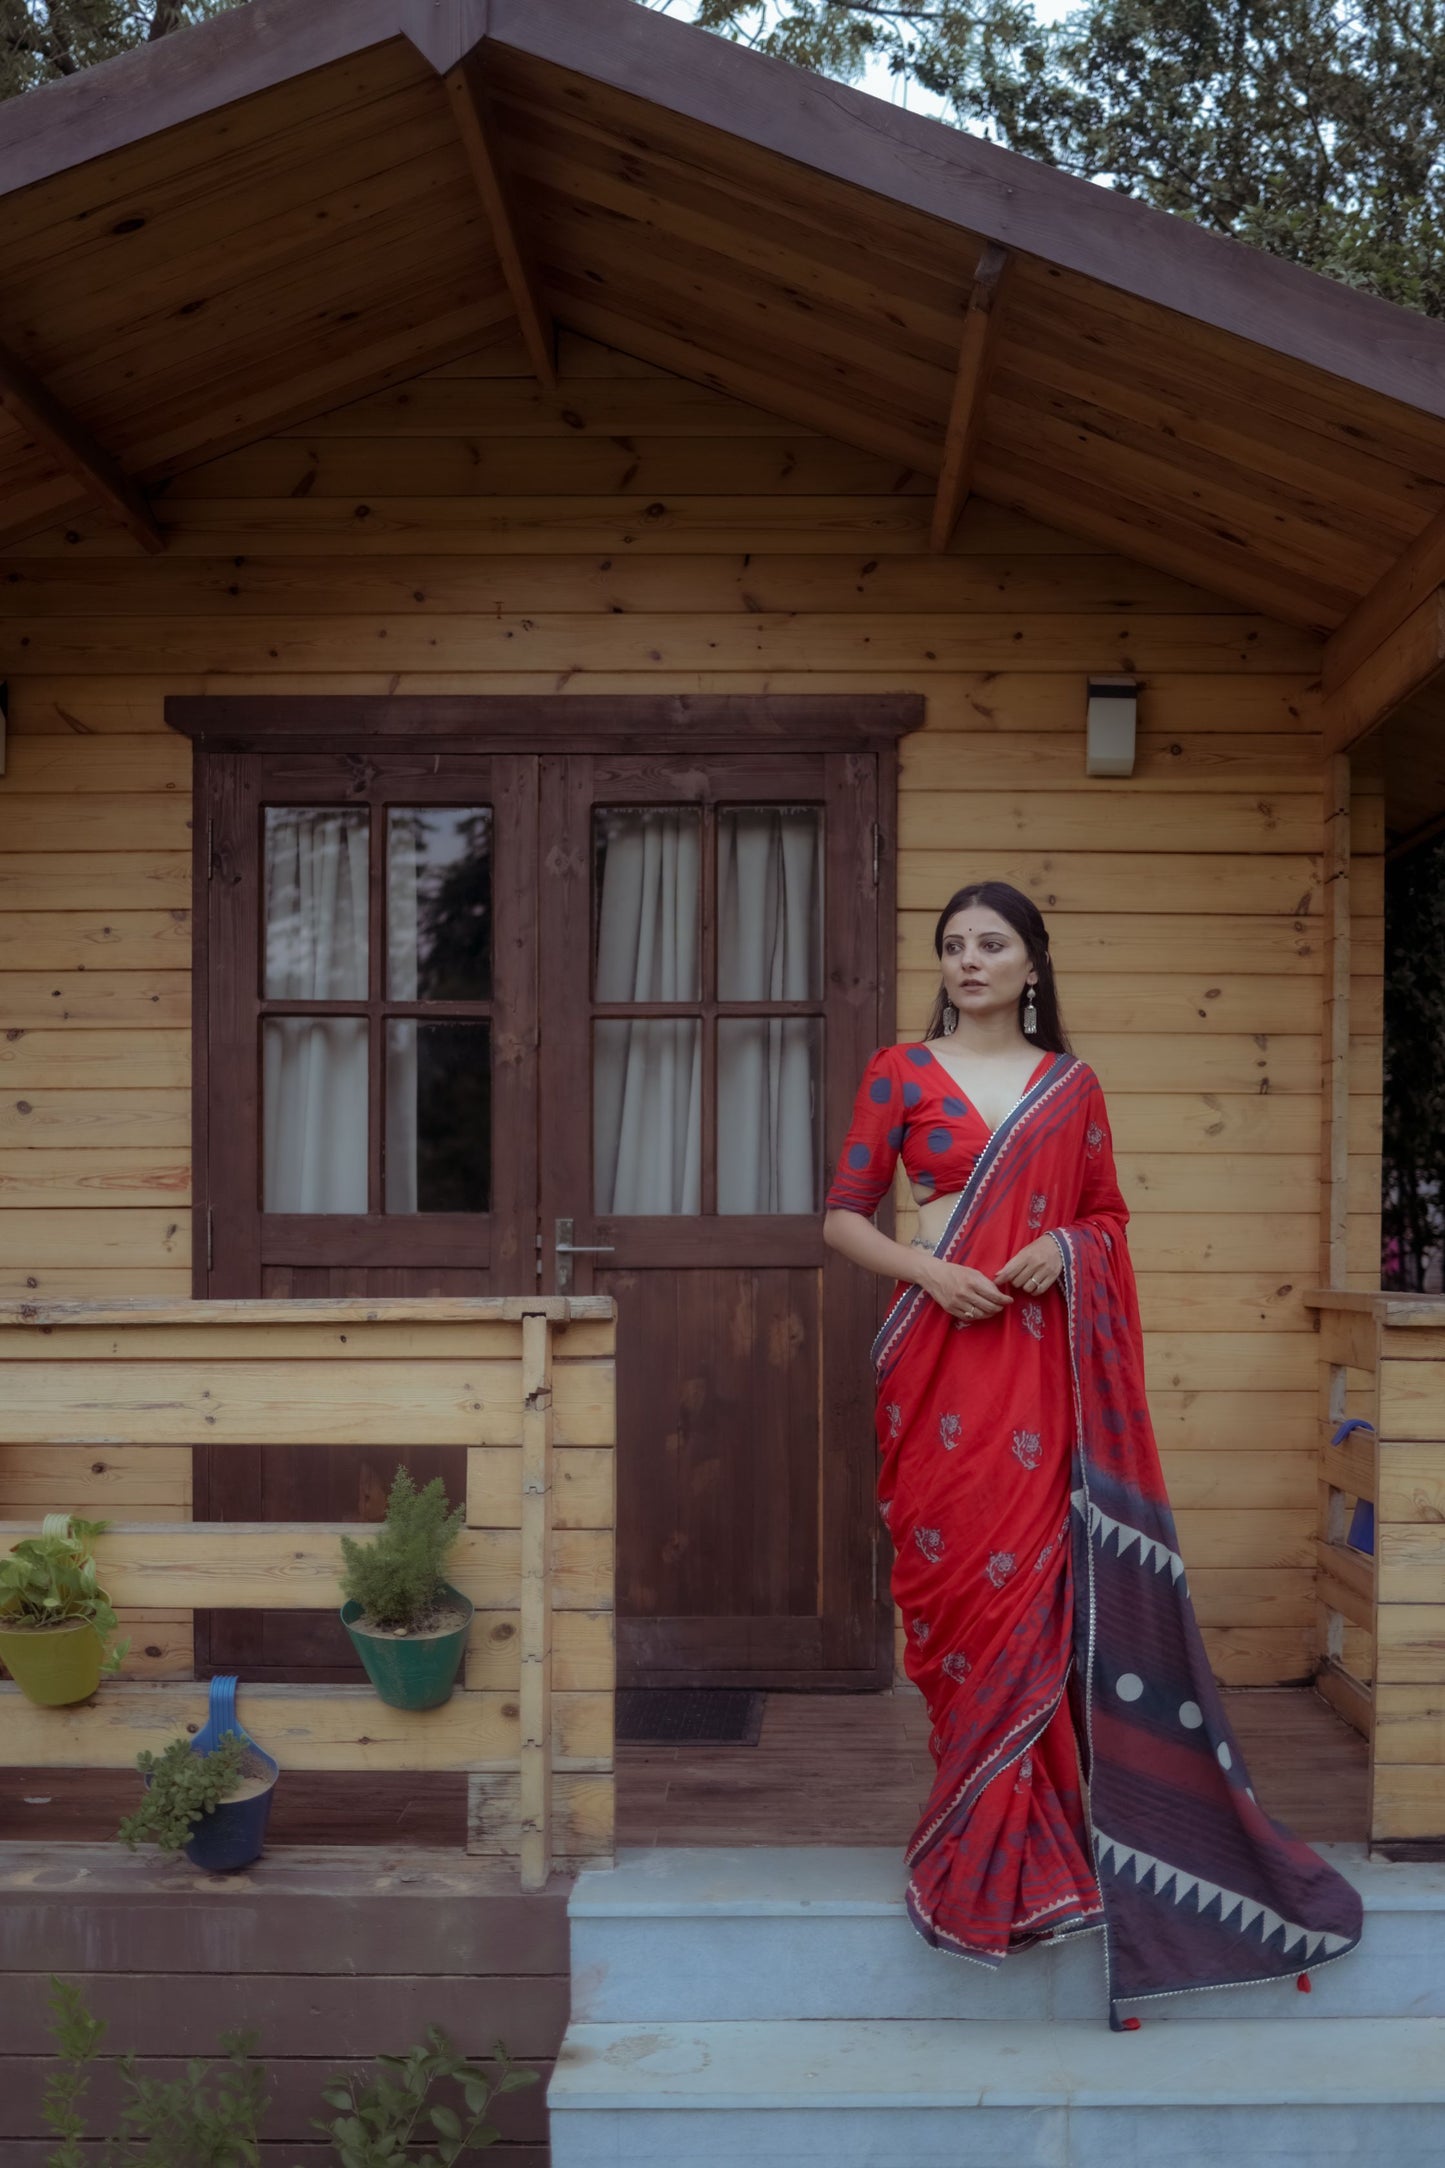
(966, 1294)
(1034, 1268)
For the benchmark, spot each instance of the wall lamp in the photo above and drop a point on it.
(1112, 718)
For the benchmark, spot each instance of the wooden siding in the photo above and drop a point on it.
(470, 533)
(524, 1385)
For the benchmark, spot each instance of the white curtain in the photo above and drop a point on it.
(647, 1073)
(315, 1068)
(769, 949)
(404, 859)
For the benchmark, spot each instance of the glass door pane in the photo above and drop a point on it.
(439, 903)
(438, 1117)
(769, 1113)
(314, 1090)
(316, 903)
(770, 903)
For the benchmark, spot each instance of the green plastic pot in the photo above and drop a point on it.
(53, 1666)
(411, 1674)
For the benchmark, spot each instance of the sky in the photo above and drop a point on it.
(897, 89)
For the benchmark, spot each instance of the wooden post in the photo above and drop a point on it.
(536, 1609)
(1335, 1065)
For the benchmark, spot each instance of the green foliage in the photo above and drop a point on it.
(42, 41)
(208, 2118)
(49, 1578)
(1310, 128)
(398, 1578)
(211, 2117)
(379, 2122)
(183, 1786)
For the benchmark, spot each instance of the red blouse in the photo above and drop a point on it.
(909, 1104)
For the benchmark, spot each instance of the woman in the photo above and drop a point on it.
(1087, 1776)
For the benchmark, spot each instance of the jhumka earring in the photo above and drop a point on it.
(950, 1018)
(1031, 1014)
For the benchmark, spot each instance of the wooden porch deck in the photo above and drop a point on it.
(855, 1768)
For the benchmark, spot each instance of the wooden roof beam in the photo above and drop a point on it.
(96, 474)
(1407, 660)
(970, 387)
(1419, 567)
(539, 333)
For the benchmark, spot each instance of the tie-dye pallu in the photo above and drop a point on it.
(1048, 1616)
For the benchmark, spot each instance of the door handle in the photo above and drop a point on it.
(566, 1249)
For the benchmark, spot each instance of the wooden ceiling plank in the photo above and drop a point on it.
(848, 259)
(477, 132)
(1418, 569)
(816, 406)
(842, 134)
(976, 354)
(1099, 513)
(1410, 658)
(1229, 521)
(99, 478)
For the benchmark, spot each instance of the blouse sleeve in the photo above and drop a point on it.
(870, 1149)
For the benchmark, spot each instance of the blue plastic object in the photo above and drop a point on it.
(1362, 1521)
(233, 1834)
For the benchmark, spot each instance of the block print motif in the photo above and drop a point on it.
(921, 1630)
(949, 1429)
(1031, 1317)
(893, 1416)
(1038, 1205)
(930, 1542)
(1028, 1448)
(1000, 1567)
(957, 1665)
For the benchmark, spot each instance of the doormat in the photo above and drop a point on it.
(689, 1716)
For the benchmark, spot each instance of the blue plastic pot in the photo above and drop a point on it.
(234, 1833)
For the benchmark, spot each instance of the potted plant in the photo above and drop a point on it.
(210, 1803)
(55, 1618)
(407, 1623)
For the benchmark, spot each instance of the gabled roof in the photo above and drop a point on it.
(306, 200)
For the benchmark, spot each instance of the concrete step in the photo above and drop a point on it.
(949, 2094)
(820, 1933)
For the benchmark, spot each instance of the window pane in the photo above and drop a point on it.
(770, 903)
(316, 903)
(438, 1117)
(315, 1113)
(647, 1115)
(769, 1097)
(645, 878)
(439, 903)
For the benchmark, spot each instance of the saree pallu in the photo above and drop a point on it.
(1087, 1776)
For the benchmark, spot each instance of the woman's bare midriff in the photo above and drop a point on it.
(933, 1217)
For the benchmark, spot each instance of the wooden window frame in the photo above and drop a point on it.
(354, 726)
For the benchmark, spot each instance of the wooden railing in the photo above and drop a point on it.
(1383, 1608)
(100, 1405)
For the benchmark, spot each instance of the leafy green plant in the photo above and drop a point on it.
(211, 2117)
(183, 1786)
(379, 2121)
(49, 1579)
(208, 2118)
(399, 1577)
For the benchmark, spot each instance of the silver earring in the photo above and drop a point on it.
(950, 1018)
(1031, 1014)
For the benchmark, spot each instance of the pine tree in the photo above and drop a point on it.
(43, 40)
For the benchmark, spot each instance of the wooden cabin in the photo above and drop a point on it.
(536, 548)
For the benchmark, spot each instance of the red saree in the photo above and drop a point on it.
(1086, 1774)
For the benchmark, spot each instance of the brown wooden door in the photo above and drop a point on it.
(710, 966)
(385, 1106)
(367, 1103)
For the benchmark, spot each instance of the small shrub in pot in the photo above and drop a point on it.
(406, 1621)
(55, 1618)
(211, 1806)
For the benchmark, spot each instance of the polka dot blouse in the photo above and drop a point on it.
(909, 1106)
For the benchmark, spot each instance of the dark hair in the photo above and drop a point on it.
(1027, 922)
